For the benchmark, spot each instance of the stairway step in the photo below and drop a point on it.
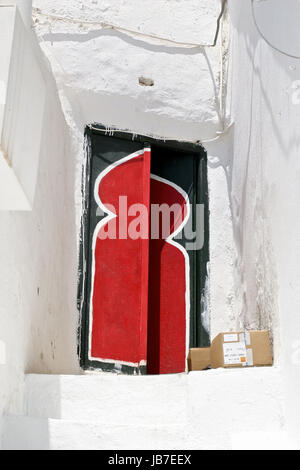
(107, 397)
(217, 396)
(216, 409)
(23, 433)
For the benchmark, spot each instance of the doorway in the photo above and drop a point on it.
(144, 253)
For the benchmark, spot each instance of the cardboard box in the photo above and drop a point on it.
(199, 359)
(241, 349)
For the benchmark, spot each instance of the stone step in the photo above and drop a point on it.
(249, 397)
(107, 398)
(216, 409)
(25, 433)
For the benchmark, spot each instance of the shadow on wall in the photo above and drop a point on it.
(254, 269)
(139, 43)
(254, 157)
(266, 140)
(114, 97)
(35, 428)
(26, 434)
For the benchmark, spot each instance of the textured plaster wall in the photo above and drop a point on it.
(93, 75)
(38, 315)
(100, 68)
(97, 72)
(264, 178)
(253, 171)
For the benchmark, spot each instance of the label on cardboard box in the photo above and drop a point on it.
(235, 353)
(229, 338)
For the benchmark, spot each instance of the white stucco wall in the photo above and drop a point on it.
(24, 8)
(99, 68)
(23, 92)
(253, 171)
(265, 190)
(97, 72)
(38, 277)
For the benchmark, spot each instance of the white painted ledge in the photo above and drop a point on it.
(157, 399)
(215, 409)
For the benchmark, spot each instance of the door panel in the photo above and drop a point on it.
(118, 265)
(118, 305)
(171, 268)
(169, 290)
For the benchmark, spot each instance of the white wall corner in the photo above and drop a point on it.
(22, 102)
(24, 7)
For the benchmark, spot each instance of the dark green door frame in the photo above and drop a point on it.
(199, 259)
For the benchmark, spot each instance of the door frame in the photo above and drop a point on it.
(199, 337)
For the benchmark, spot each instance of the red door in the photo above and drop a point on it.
(168, 281)
(119, 294)
(139, 285)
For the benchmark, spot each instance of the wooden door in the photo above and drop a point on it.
(172, 186)
(115, 326)
(138, 296)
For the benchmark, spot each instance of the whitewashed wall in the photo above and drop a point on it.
(97, 72)
(23, 91)
(100, 68)
(38, 315)
(97, 75)
(265, 171)
(253, 170)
